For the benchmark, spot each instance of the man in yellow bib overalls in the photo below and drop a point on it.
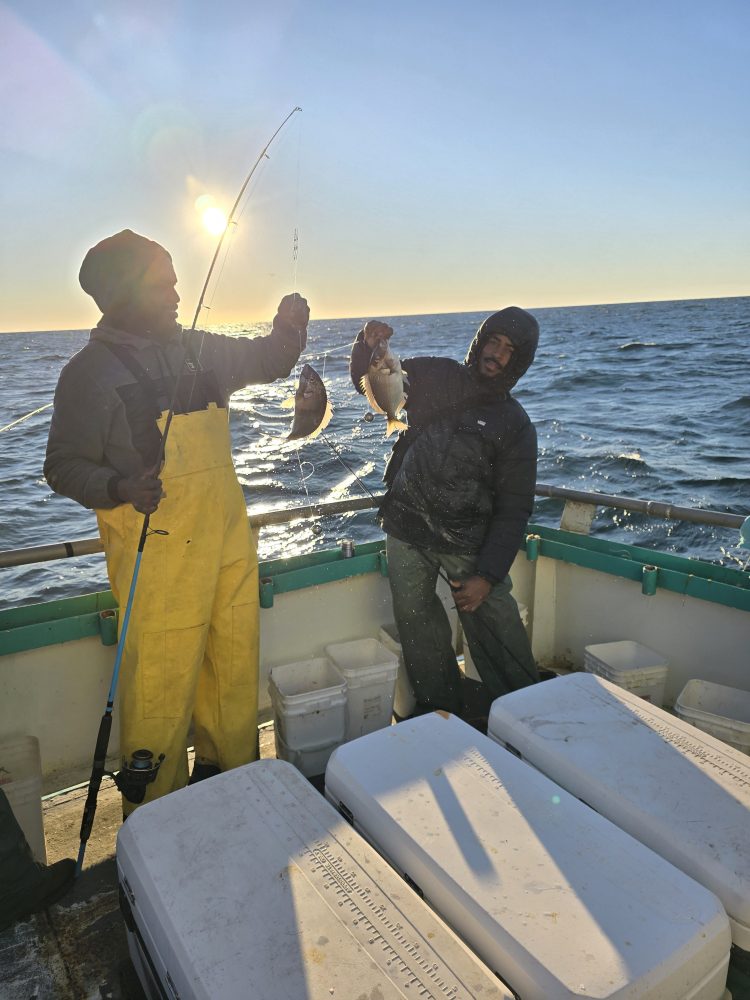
(191, 649)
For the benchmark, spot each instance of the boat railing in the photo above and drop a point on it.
(578, 513)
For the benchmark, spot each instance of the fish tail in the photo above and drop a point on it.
(395, 425)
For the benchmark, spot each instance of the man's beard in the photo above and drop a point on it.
(135, 320)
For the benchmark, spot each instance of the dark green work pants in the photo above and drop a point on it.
(495, 633)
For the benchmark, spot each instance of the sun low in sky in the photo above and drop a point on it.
(213, 218)
(448, 157)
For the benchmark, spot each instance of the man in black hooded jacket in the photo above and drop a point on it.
(461, 484)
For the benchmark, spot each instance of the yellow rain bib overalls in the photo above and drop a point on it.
(192, 642)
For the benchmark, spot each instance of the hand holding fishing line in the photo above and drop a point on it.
(295, 312)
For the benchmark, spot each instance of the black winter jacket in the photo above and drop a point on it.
(462, 478)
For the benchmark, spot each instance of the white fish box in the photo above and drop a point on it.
(722, 711)
(631, 666)
(369, 670)
(251, 885)
(555, 898)
(680, 791)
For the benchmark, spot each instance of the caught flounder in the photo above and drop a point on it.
(383, 386)
(312, 411)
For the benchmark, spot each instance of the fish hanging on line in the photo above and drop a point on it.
(383, 386)
(312, 411)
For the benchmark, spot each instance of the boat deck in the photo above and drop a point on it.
(77, 948)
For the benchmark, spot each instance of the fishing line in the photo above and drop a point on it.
(228, 247)
(295, 251)
(26, 417)
(304, 478)
(230, 220)
(441, 573)
(347, 467)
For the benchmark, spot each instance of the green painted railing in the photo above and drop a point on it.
(39, 625)
(652, 569)
(281, 576)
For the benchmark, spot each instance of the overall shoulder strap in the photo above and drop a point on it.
(125, 357)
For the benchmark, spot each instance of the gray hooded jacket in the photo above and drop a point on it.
(104, 420)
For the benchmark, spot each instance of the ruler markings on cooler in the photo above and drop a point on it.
(694, 747)
(327, 865)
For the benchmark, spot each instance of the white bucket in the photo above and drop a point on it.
(310, 762)
(404, 701)
(21, 780)
(369, 670)
(309, 704)
(722, 711)
(629, 665)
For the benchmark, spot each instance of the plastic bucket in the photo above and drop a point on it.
(309, 703)
(631, 666)
(404, 701)
(369, 670)
(311, 762)
(21, 780)
(721, 711)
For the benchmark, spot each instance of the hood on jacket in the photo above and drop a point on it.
(521, 329)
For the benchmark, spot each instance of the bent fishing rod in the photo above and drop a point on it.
(135, 775)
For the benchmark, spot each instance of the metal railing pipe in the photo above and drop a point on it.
(651, 508)
(282, 515)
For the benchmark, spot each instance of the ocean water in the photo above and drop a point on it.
(646, 400)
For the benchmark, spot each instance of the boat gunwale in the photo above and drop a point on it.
(37, 625)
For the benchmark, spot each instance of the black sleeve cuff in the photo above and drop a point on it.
(112, 485)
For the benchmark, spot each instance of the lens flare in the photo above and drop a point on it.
(213, 219)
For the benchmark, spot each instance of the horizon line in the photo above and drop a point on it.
(447, 312)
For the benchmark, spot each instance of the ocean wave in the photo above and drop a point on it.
(714, 481)
(740, 403)
(626, 401)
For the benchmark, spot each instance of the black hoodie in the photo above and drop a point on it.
(462, 478)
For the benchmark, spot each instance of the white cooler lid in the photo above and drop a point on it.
(678, 790)
(555, 898)
(251, 884)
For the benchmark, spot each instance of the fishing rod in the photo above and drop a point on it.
(26, 416)
(135, 775)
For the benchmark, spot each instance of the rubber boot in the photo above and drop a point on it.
(203, 770)
(25, 885)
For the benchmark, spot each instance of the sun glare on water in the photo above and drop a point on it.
(213, 218)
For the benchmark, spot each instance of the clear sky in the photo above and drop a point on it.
(449, 156)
